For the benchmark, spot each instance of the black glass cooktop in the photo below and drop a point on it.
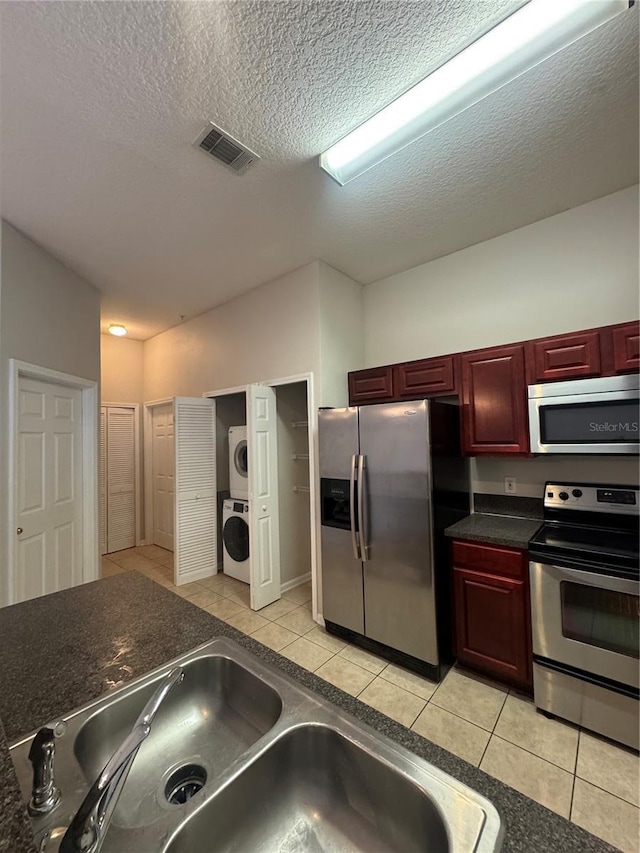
(591, 544)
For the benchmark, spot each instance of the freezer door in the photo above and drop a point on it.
(337, 441)
(342, 594)
(399, 594)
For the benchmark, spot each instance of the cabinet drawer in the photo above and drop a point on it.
(429, 376)
(493, 559)
(564, 357)
(371, 386)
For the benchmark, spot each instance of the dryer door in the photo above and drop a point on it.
(240, 458)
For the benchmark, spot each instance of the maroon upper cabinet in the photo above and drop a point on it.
(374, 385)
(564, 357)
(494, 398)
(626, 348)
(429, 376)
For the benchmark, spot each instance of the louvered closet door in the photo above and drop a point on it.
(195, 489)
(121, 509)
(103, 480)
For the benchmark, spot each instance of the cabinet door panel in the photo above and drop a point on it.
(492, 625)
(564, 357)
(494, 401)
(626, 348)
(429, 376)
(370, 386)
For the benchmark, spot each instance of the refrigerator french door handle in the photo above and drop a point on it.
(364, 548)
(352, 508)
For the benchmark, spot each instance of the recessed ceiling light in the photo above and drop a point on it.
(117, 329)
(533, 33)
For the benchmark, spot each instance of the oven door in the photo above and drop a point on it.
(586, 620)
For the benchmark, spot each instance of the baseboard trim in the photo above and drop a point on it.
(294, 582)
(197, 576)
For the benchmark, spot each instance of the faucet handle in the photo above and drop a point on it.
(44, 794)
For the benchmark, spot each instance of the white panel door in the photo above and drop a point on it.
(163, 469)
(49, 488)
(195, 489)
(264, 527)
(103, 480)
(121, 466)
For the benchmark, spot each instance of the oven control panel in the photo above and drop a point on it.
(623, 500)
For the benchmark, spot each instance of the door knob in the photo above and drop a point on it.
(19, 531)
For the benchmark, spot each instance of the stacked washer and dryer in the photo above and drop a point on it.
(235, 510)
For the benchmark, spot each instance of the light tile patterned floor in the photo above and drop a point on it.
(582, 777)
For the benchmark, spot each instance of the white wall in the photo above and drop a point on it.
(121, 370)
(268, 333)
(309, 321)
(487, 475)
(341, 333)
(572, 271)
(49, 317)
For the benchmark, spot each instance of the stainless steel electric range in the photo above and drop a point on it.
(585, 606)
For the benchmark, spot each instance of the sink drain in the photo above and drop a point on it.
(184, 783)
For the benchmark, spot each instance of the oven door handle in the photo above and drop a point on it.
(602, 581)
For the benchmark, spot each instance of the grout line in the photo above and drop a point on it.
(460, 717)
(573, 790)
(535, 755)
(484, 752)
(605, 791)
(406, 689)
(500, 712)
(575, 763)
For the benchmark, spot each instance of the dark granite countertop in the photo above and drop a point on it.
(63, 650)
(495, 529)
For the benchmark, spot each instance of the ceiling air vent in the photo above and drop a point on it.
(219, 144)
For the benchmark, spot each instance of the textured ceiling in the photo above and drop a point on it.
(102, 100)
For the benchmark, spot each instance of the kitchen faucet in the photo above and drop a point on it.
(45, 796)
(91, 822)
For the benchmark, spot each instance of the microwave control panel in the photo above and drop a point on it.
(623, 500)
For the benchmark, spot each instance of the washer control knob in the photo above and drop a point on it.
(563, 496)
(577, 493)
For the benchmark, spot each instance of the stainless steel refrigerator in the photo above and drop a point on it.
(391, 479)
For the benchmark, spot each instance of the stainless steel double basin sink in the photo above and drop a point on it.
(243, 759)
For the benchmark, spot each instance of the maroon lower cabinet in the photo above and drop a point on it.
(492, 619)
(564, 357)
(494, 399)
(374, 385)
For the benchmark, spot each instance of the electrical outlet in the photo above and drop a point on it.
(510, 486)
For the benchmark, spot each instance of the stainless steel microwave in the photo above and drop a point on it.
(586, 416)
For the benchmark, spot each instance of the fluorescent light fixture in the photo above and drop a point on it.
(533, 33)
(118, 330)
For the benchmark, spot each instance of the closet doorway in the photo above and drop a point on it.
(281, 481)
(160, 474)
(295, 479)
(119, 477)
